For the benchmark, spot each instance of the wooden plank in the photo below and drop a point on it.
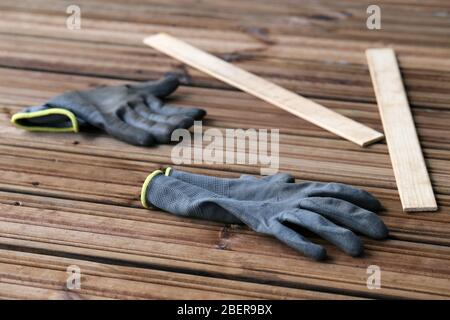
(23, 88)
(227, 253)
(317, 78)
(413, 182)
(401, 226)
(26, 275)
(107, 183)
(316, 162)
(265, 90)
(315, 18)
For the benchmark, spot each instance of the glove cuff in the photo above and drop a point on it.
(146, 185)
(25, 121)
(168, 171)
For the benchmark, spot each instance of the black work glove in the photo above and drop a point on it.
(132, 113)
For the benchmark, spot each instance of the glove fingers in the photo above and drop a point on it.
(279, 177)
(349, 215)
(160, 88)
(37, 108)
(194, 113)
(161, 132)
(156, 106)
(125, 132)
(177, 121)
(298, 242)
(342, 238)
(359, 197)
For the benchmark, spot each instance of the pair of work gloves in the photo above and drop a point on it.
(273, 205)
(133, 113)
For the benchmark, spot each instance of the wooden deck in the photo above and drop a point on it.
(73, 199)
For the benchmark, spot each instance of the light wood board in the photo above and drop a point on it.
(265, 90)
(413, 182)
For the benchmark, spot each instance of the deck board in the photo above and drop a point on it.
(74, 198)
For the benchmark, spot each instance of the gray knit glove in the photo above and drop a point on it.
(276, 217)
(133, 113)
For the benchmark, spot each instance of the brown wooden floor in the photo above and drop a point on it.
(73, 199)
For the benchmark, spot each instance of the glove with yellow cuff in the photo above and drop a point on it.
(132, 113)
(276, 208)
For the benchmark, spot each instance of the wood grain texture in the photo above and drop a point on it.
(74, 198)
(162, 241)
(25, 275)
(265, 90)
(411, 176)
